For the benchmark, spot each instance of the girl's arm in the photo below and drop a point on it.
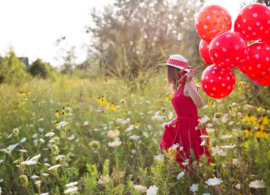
(192, 90)
(172, 122)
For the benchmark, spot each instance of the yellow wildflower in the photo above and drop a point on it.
(264, 120)
(102, 100)
(56, 124)
(57, 114)
(113, 107)
(261, 134)
(248, 132)
(249, 118)
(60, 159)
(136, 124)
(260, 126)
(63, 111)
(260, 109)
(210, 102)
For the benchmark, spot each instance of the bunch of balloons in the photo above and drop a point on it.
(225, 50)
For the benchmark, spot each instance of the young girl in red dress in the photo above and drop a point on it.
(184, 129)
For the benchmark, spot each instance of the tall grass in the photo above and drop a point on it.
(117, 162)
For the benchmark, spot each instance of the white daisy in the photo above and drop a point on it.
(170, 115)
(180, 175)
(194, 188)
(34, 177)
(174, 146)
(50, 134)
(71, 184)
(23, 140)
(38, 182)
(228, 146)
(70, 190)
(257, 184)
(152, 190)
(159, 157)
(213, 181)
(54, 167)
(134, 137)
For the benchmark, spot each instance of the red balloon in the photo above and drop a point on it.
(263, 81)
(253, 21)
(266, 38)
(228, 49)
(204, 51)
(257, 62)
(217, 82)
(212, 20)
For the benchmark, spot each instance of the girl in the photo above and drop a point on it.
(184, 130)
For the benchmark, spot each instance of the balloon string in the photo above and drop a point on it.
(184, 77)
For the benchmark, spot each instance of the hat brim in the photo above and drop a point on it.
(173, 66)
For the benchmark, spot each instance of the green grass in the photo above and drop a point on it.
(100, 169)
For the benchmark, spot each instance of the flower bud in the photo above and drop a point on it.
(56, 139)
(213, 142)
(24, 180)
(16, 131)
(54, 149)
(94, 145)
(163, 109)
(41, 140)
(217, 115)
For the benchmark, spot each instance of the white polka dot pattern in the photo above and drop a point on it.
(217, 82)
(212, 20)
(176, 62)
(257, 61)
(252, 20)
(227, 49)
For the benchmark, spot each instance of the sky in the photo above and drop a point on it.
(31, 27)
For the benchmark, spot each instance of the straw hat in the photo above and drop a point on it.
(176, 61)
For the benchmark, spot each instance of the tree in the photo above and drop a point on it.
(137, 34)
(266, 2)
(12, 69)
(40, 68)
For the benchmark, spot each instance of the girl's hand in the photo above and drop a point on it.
(164, 124)
(189, 75)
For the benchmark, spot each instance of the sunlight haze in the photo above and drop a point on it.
(32, 27)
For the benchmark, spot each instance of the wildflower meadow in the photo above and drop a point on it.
(101, 136)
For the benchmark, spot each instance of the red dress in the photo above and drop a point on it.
(184, 132)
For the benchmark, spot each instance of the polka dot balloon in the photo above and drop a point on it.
(253, 21)
(228, 49)
(257, 63)
(217, 82)
(263, 81)
(204, 51)
(212, 20)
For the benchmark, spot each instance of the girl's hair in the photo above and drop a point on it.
(173, 78)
